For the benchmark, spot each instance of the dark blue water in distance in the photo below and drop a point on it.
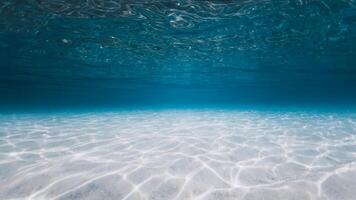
(92, 53)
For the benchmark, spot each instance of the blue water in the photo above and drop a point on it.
(119, 53)
(177, 99)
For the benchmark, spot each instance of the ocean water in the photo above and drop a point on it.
(94, 52)
(178, 99)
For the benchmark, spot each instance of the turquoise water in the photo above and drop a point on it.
(99, 53)
(177, 99)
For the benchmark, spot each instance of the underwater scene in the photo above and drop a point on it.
(178, 100)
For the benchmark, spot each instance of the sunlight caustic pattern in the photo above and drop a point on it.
(191, 154)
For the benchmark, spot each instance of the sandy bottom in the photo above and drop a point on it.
(178, 155)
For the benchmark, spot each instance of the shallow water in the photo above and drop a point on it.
(193, 57)
(178, 154)
(97, 52)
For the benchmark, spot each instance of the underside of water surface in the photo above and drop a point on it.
(178, 99)
(123, 52)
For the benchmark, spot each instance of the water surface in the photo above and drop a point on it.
(151, 51)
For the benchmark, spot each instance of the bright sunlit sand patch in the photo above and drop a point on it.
(178, 155)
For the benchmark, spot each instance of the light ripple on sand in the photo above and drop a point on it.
(178, 155)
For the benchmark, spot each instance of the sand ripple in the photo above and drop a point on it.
(178, 155)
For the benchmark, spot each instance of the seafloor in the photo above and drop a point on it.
(190, 154)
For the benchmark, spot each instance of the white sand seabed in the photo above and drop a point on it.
(190, 154)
